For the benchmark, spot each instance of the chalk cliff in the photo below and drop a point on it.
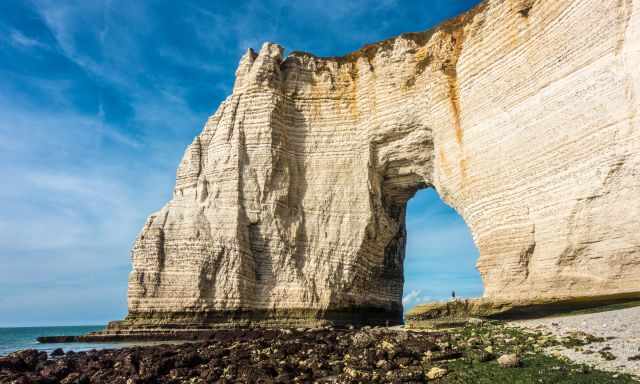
(289, 207)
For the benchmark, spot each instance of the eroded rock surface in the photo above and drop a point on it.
(290, 205)
(320, 355)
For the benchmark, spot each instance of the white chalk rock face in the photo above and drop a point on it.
(289, 207)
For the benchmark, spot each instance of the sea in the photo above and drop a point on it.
(14, 339)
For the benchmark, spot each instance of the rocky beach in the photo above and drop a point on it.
(480, 352)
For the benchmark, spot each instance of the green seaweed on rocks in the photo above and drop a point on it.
(470, 354)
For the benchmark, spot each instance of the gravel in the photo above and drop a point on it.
(620, 328)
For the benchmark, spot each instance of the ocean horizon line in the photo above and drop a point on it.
(4, 326)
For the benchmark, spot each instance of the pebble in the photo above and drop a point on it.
(509, 361)
(436, 373)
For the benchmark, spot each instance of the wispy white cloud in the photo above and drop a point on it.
(90, 35)
(413, 298)
(194, 63)
(59, 18)
(18, 39)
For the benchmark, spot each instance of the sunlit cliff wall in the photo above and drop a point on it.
(290, 204)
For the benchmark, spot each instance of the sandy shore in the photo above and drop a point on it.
(619, 328)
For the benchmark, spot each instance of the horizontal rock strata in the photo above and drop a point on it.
(289, 207)
(462, 311)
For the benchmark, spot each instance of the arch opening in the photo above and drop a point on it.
(440, 254)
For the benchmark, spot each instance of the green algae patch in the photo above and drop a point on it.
(481, 345)
(537, 368)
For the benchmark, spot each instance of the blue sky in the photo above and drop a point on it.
(99, 99)
(441, 255)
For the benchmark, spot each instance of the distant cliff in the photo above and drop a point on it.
(289, 207)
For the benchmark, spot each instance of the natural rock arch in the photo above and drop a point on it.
(440, 254)
(288, 207)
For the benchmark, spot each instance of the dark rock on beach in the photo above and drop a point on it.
(250, 356)
(319, 355)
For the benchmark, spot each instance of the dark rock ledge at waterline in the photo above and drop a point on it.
(183, 326)
(477, 353)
